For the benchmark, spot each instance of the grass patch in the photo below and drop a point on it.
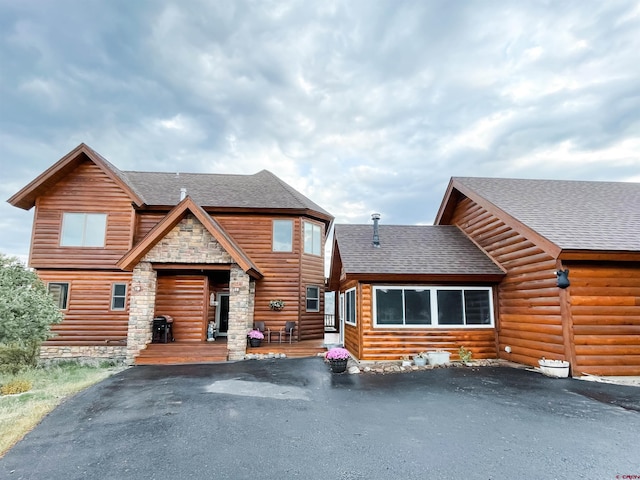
(50, 386)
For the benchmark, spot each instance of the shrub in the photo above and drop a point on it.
(465, 354)
(14, 358)
(15, 386)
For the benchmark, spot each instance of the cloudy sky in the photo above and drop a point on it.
(361, 105)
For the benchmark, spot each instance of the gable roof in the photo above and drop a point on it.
(573, 215)
(26, 197)
(260, 191)
(412, 250)
(157, 233)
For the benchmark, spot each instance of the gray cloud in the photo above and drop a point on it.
(363, 106)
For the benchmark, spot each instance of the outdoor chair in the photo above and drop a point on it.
(265, 331)
(286, 330)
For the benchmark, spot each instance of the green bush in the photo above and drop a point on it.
(15, 358)
(15, 386)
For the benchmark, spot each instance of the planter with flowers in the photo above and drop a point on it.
(420, 359)
(276, 305)
(337, 358)
(255, 338)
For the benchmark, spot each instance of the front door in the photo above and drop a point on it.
(222, 314)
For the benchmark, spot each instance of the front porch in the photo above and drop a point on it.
(214, 352)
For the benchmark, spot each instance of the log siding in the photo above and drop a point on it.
(89, 319)
(78, 193)
(605, 309)
(530, 319)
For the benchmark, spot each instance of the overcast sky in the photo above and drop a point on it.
(361, 105)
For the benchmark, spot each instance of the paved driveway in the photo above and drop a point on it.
(281, 419)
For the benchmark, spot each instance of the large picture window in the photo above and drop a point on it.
(312, 238)
(282, 235)
(411, 306)
(60, 293)
(313, 298)
(350, 306)
(83, 229)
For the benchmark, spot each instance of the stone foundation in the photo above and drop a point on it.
(84, 354)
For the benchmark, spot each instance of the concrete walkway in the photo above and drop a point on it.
(292, 418)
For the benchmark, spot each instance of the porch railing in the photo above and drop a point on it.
(329, 322)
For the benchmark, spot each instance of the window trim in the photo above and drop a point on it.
(84, 230)
(433, 289)
(113, 297)
(273, 235)
(307, 298)
(347, 294)
(313, 226)
(66, 297)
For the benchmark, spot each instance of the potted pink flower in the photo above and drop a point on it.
(337, 358)
(255, 337)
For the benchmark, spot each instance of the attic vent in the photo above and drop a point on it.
(376, 234)
(183, 193)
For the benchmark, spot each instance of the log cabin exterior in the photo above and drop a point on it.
(530, 230)
(412, 289)
(117, 249)
(535, 228)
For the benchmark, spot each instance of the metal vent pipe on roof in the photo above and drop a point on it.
(183, 193)
(376, 234)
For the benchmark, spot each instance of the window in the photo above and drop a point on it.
(433, 306)
(312, 238)
(282, 235)
(60, 294)
(350, 306)
(83, 229)
(313, 299)
(341, 307)
(119, 296)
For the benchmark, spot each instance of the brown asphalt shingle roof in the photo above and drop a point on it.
(411, 249)
(578, 215)
(261, 190)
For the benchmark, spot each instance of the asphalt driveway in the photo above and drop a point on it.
(292, 418)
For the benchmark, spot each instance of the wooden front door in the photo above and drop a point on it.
(184, 297)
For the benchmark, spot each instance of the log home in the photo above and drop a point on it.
(536, 228)
(119, 248)
(532, 231)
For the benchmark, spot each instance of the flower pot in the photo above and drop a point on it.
(420, 361)
(438, 358)
(255, 342)
(554, 368)
(338, 366)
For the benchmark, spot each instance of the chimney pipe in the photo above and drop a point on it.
(183, 193)
(376, 234)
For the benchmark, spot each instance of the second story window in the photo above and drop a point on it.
(83, 229)
(312, 238)
(282, 236)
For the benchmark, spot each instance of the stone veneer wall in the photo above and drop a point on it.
(241, 300)
(85, 354)
(188, 242)
(142, 301)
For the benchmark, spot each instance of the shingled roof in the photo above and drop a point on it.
(260, 190)
(574, 215)
(411, 250)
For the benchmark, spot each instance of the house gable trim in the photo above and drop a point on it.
(456, 190)
(26, 197)
(131, 258)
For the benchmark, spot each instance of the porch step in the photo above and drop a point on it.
(180, 353)
(304, 348)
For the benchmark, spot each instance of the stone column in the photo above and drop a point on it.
(141, 308)
(240, 313)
